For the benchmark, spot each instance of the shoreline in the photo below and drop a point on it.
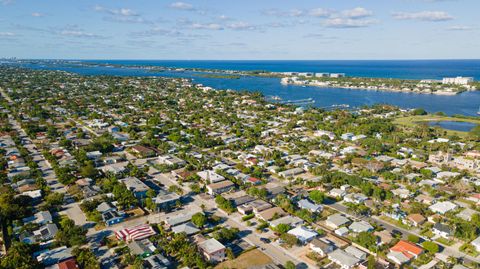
(326, 86)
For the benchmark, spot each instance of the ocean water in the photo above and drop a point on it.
(467, 103)
(406, 69)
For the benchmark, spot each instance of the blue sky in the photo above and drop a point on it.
(244, 29)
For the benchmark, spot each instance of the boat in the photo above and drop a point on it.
(478, 112)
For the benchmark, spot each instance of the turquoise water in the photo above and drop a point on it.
(466, 103)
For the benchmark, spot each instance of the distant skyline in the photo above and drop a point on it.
(240, 30)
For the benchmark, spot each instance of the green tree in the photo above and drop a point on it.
(86, 258)
(290, 265)
(317, 196)
(413, 238)
(430, 246)
(199, 219)
(19, 255)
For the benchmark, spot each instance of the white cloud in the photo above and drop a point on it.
(348, 23)
(182, 6)
(37, 14)
(7, 34)
(459, 28)
(241, 26)
(207, 26)
(321, 12)
(434, 16)
(7, 2)
(78, 33)
(121, 15)
(357, 13)
(124, 12)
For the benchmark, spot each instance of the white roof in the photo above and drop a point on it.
(302, 233)
(211, 245)
(443, 207)
(342, 258)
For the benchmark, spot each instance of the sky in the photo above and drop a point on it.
(242, 29)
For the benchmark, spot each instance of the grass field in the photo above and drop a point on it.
(246, 260)
(413, 120)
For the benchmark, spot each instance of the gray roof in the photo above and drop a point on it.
(135, 184)
(338, 219)
(187, 228)
(138, 247)
(341, 257)
(211, 245)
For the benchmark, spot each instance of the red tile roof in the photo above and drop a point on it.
(68, 264)
(408, 249)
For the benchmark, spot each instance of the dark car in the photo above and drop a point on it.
(265, 240)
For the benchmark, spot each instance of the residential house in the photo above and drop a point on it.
(136, 186)
(403, 252)
(312, 207)
(213, 250)
(442, 230)
(220, 187)
(110, 214)
(416, 219)
(143, 151)
(165, 201)
(271, 213)
(157, 261)
(321, 246)
(210, 176)
(143, 248)
(303, 234)
(343, 259)
(443, 207)
(337, 220)
(292, 221)
(360, 226)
